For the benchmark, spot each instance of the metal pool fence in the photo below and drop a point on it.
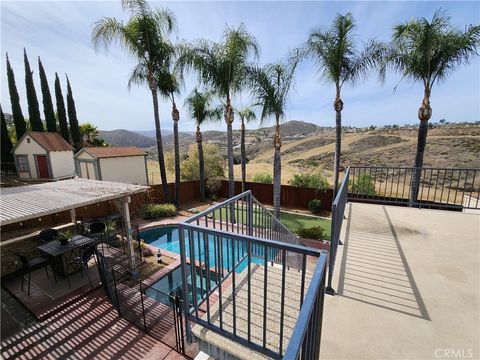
(250, 256)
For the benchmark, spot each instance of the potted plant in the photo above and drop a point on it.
(111, 230)
(65, 237)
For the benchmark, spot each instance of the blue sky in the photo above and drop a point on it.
(59, 32)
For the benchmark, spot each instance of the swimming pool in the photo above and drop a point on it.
(172, 282)
(232, 252)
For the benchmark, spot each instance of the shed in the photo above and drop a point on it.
(43, 155)
(111, 163)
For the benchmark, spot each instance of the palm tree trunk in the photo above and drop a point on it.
(244, 157)
(158, 133)
(231, 181)
(277, 170)
(338, 106)
(201, 162)
(424, 114)
(176, 118)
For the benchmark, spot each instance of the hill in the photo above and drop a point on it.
(122, 137)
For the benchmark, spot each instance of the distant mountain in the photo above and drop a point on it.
(123, 137)
(152, 134)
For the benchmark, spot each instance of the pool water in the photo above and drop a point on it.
(228, 252)
(172, 282)
(167, 238)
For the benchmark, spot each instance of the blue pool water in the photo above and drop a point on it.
(171, 282)
(224, 254)
(226, 251)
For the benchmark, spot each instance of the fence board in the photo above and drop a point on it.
(290, 196)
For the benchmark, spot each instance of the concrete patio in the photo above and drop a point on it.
(408, 286)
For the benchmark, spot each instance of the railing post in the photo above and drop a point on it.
(186, 304)
(250, 214)
(331, 259)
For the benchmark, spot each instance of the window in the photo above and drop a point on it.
(23, 165)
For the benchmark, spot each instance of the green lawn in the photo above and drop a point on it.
(296, 221)
(291, 220)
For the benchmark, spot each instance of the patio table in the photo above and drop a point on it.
(57, 251)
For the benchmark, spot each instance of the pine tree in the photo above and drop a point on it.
(6, 155)
(61, 113)
(33, 108)
(18, 119)
(47, 100)
(72, 119)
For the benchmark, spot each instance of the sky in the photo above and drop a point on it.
(59, 32)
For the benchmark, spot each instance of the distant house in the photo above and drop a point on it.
(122, 164)
(43, 155)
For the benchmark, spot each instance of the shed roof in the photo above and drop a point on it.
(29, 202)
(112, 151)
(50, 141)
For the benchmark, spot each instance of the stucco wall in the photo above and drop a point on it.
(30, 149)
(129, 169)
(62, 163)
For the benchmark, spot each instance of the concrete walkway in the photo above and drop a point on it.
(408, 286)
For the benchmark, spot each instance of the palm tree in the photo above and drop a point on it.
(339, 62)
(88, 131)
(221, 67)
(428, 52)
(169, 86)
(246, 114)
(271, 85)
(199, 105)
(144, 37)
(168, 83)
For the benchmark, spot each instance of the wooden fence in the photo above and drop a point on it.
(290, 196)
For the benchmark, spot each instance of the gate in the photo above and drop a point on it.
(156, 313)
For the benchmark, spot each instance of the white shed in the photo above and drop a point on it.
(121, 164)
(43, 155)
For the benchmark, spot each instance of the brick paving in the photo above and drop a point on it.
(89, 328)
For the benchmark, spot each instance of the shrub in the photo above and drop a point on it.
(156, 211)
(212, 187)
(190, 165)
(314, 232)
(264, 178)
(313, 180)
(363, 184)
(315, 206)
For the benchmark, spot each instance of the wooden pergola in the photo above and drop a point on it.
(28, 202)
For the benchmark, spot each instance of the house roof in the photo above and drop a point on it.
(27, 202)
(50, 141)
(112, 151)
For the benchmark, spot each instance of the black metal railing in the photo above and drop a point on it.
(440, 188)
(146, 307)
(338, 214)
(307, 334)
(245, 259)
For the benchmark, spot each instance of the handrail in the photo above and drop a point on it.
(279, 223)
(256, 240)
(338, 211)
(217, 206)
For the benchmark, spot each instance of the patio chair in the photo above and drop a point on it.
(87, 252)
(32, 264)
(47, 235)
(96, 231)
